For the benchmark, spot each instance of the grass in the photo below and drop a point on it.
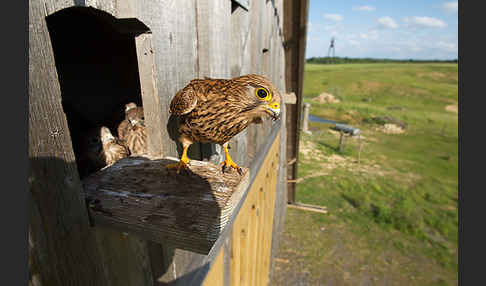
(402, 197)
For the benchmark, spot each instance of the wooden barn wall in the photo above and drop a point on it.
(239, 65)
(62, 246)
(190, 39)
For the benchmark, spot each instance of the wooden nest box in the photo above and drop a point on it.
(140, 195)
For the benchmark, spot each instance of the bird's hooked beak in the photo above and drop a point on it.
(274, 108)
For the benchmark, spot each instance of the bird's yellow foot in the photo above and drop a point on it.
(228, 163)
(181, 165)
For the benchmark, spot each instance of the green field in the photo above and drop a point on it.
(393, 216)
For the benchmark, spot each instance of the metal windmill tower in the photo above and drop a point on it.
(331, 48)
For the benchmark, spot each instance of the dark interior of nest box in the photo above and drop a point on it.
(96, 62)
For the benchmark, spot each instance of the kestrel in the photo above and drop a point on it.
(132, 130)
(133, 113)
(113, 149)
(215, 110)
(99, 148)
(136, 139)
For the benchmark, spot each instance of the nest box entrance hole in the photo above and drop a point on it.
(96, 61)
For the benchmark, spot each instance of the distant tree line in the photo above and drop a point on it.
(346, 60)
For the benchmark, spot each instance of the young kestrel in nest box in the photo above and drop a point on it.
(99, 148)
(132, 130)
(133, 114)
(215, 110)
(113, 150)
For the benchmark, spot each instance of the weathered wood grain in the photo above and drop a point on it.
(148, 85)
(64, 246)
(125, 257)
(173, 26)
(174, 41)
(140, 196)
(126, 8)
(213, 38)
(281, 194)
(256, 131)
(239, 65)
(294, 32)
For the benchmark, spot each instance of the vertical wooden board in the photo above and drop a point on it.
(227, 260)
(173, 263)
(125, 258)
(126, 8)
(105, 5)
(270, 183)
(253, 226)
(261, 231)
(239, 65)
(295, 26)
(59, 228)
(251, 231)
(213, 50)
(240, 39)
(264, 180)
(161, 259)
(215, 276)
(235, 260)
(213, 36)
(281, 197)
(257, 14)
(174, 42)
(266, 56)
(173, 26)
(256, 132)
(244, 234)
(151, 103)
(267, 20)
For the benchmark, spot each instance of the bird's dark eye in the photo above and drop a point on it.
(262, 93)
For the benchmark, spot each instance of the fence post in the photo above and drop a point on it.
(305, 121)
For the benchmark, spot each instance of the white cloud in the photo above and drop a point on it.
(426, 22)
(446, 46)
(450, 7)
(387, 22)
(365, 8)
(334, 29)
(371, 35)
(333, 17)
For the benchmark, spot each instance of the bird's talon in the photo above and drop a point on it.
(178, 166)
(225, 165)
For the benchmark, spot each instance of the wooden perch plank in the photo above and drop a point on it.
(189, 210)
(306, 207)
(289, 98)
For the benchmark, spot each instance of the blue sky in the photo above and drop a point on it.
(417, 29)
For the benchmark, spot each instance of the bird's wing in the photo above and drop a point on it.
(183, 102)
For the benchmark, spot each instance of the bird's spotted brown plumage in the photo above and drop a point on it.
(215, 110)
